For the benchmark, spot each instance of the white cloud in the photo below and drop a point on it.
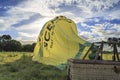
(99, 29)
(7, 21)
(88, 36)
(3, 25)
(19, 38)
(26, 36)
(77, 10)
(117, 33)
(52, 8)
(115, 14)
(31, 30)
(83, 24)
(1, 21)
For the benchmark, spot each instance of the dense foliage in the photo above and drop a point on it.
(9, 44)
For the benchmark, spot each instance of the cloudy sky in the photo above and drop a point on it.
(96, 20)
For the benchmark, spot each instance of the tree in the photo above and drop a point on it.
(8, 44)
(118, 42)
(114, 39)
(28, 47)
(3, 41)
(0, 46)
(12, 45)
(6, 37)
(33, 46)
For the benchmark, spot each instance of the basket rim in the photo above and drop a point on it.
(100, 62)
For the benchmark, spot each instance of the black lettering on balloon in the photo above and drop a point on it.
(47, 34)
(52, 21)
(51, 43)
(45, 44)
(49, 27)
(39, 39)
(69, 21)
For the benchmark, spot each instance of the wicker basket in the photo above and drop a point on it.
(96, 69)
(93, 70)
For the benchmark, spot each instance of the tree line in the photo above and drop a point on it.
(9, 44)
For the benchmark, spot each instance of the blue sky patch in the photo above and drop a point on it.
(27, 21)
(13, 32)
(6, 4)
(25, 18)
(83, 28)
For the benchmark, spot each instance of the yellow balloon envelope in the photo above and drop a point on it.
(59, 41)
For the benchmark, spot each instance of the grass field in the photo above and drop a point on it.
(19, 66)
(6, 57)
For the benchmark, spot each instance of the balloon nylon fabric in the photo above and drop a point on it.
(59, 41)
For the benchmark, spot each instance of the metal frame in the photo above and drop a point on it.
(100, 51)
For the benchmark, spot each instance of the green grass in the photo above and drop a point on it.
(19, 66)
(6, 57)
(23, 68)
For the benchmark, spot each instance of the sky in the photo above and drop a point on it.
(96, 20)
